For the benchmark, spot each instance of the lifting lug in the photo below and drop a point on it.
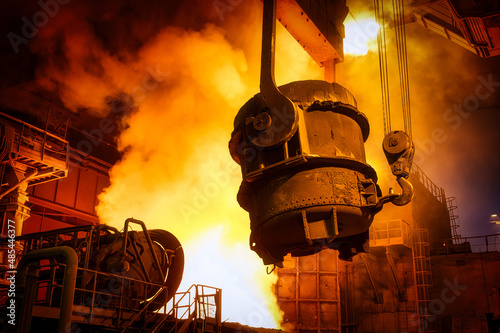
(277, 122)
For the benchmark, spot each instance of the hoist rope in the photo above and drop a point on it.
(382, 60)
(400, 31)
(402, 55)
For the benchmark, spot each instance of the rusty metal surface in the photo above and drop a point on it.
(324, 186)
(399, 151)
(471, 24)
(308, 293)
(28, 156)
(315, 190)
(153, 256)
(27, 147)
(316, 25)
(330, 127)
(277, 122)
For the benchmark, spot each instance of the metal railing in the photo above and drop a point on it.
(110, 298)
(391, 232)
(422, 178)
(84, 239)
(198, 306)
(123, 303)
(97, 298)
(474, 244)
(36, 148)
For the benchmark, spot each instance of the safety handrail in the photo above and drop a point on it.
(196, 305)
(435, 190)
(137, 315)
(473, 244)
(193, 307)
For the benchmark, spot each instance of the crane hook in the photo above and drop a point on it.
(399, 151)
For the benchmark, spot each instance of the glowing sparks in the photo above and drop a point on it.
(360, 36)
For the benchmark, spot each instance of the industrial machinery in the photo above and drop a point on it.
(106, 277)
(306, 183)
(28, 156)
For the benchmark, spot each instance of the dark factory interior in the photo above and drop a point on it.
(250, 166)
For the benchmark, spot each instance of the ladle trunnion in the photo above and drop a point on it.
(306, 183)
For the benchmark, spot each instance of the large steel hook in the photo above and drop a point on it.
(405, 197)
(399, 150)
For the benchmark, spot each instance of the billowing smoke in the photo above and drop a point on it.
(176, 73)
(454, 100)
(176, 82)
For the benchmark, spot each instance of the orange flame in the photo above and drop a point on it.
(177, 174)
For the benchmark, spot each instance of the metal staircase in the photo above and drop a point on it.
(103, 301)
(195, 310)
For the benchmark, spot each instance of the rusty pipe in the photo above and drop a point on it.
(69, 282)
(148, 239)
